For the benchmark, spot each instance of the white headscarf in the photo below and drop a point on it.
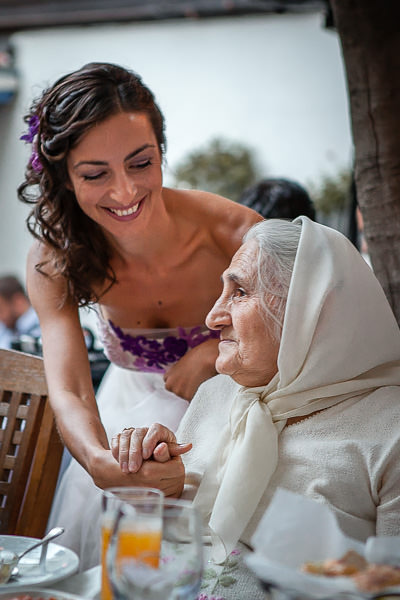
(339, 340)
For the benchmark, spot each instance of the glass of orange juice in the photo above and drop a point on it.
(139, 531)
(173, 571)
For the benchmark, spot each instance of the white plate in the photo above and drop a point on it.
(37, 593)
(60, 563)
(306, 586)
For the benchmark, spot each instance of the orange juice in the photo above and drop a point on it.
(106, 593)
(134, 540)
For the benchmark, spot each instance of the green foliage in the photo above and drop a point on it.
(222, 167)
(332, 194)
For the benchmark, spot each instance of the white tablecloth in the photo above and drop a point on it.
(86, 584)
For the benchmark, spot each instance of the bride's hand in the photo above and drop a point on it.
(135, 444)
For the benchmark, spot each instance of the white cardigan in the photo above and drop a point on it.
(347, 456)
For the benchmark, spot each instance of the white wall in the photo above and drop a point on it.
(274, 82)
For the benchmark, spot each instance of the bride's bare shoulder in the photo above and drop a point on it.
(227, 221)
(38, 254)
(40, 276)
(38, 251)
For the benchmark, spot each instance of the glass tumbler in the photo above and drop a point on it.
(173, 572)
(143, 535)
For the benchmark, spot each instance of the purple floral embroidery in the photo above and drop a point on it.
(153, 356)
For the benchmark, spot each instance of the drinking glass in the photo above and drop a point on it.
(144, 535)
(172, 573)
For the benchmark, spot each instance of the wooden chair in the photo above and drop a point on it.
(30, 447)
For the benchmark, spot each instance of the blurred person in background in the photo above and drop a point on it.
(278, 198)
(17, 316)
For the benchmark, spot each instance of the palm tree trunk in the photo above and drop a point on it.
(369, 32)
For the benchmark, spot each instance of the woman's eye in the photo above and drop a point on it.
(141, 165)
(93, 177)
(238, 293)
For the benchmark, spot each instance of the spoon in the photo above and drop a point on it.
(9, 560)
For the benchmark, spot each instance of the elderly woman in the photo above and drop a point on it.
(308, 398)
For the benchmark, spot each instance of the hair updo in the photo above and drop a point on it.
(65, 112)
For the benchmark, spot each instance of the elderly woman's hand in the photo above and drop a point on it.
(197, 365)
(135, 444)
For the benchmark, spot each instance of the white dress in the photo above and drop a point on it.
(132, 393)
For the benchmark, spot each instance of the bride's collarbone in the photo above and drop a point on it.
(155, 308)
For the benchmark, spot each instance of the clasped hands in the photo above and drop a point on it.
(134, 445)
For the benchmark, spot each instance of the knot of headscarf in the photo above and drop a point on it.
(231, 487)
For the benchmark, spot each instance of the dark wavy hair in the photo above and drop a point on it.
(64, 113)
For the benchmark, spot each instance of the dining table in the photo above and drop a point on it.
(64, 580)
(85, 584)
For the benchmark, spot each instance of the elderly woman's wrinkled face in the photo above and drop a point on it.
(248, 351)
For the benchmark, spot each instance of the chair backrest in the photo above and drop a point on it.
(30, 447)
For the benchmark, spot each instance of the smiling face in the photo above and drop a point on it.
(248, 351)
(115, 172)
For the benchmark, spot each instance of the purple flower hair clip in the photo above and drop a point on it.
(29, 138)
(33, 129)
